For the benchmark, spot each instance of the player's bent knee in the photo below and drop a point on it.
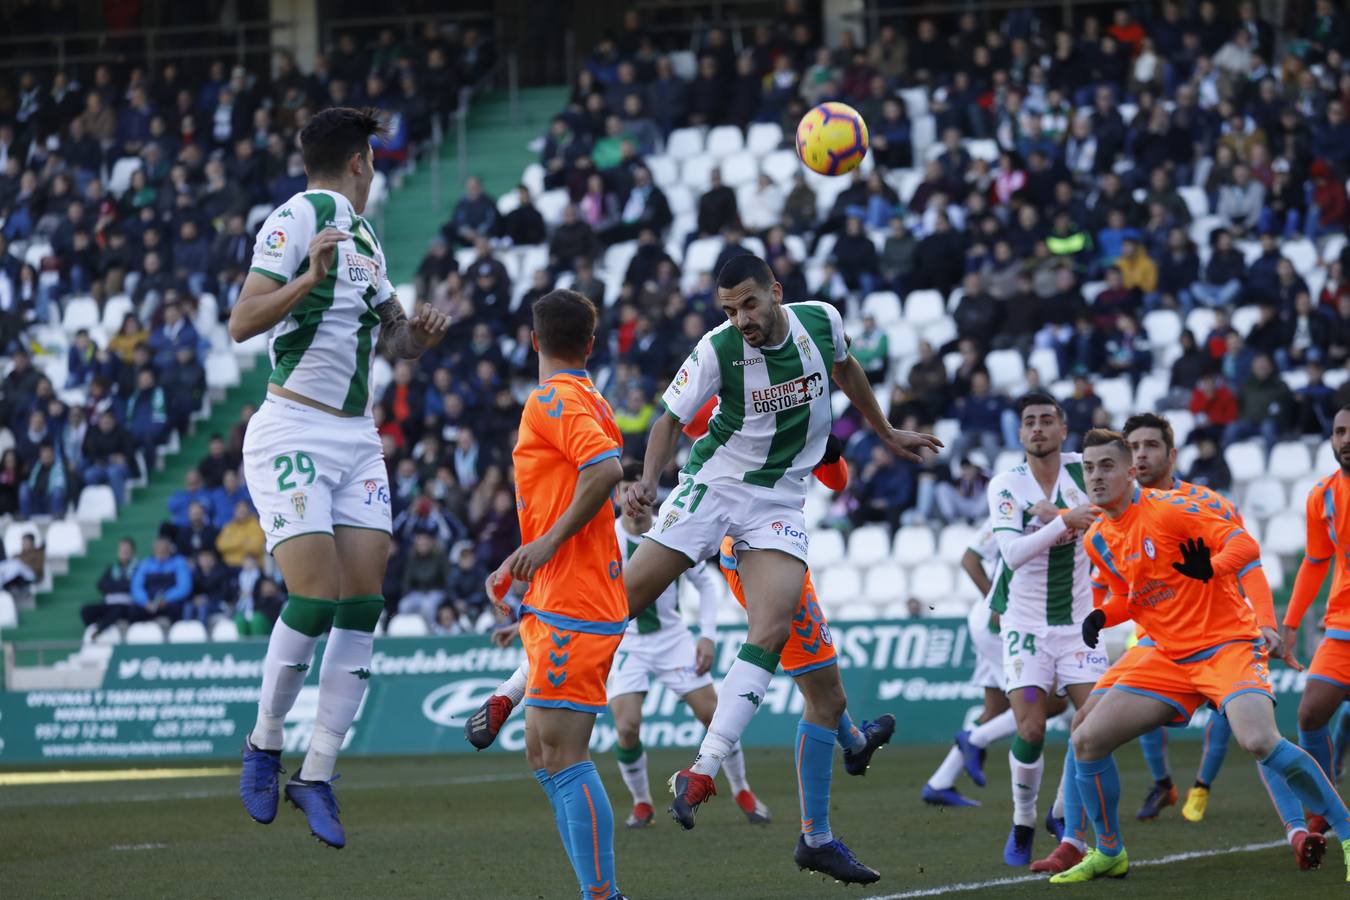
(628, 733)
(1261, 744)
(1088, 746)
(770, 636)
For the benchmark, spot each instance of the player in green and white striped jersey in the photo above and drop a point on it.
(770, 365)
(319, 288)
(1038, 511)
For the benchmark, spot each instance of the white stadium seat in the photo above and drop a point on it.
(9, 613)
(763, 138)
(1197, 202)
(1246, 460)
(1006, 370)
(80, 312)
(852, 612)
(932, 582)
(884, 306)
(14, 537)
(903, 341)
(953, 543)
(695, 172)
(1163, 327)
(1200, 322)
(107, 636)
(914, 544)
(1298, 493)
(740, 169)
(1290, 460)
(923, 308)
(724, 140)
(684, 143)
(551, 205)
(144, 633)
(665, 171)
(1302, 253)
(868, 546)
(65, 539)
(222, 371)
(951, 608)
(1244, 318)
(407, 625)
(225, 630)
(188, 631)
(1045, 361)
(1274, 569)
(1264, 498)
(884, 584)
(1117, 395)
(1326, 460)
(1285, 534)
(840, 584)
(781, 165)
(826, 549)
(941, 331)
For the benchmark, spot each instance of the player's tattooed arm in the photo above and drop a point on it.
(404, 338)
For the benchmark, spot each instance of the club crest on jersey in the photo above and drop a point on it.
(789, 394)
(804, 345)
(1149, 550)
(298, 503)
(671, 518)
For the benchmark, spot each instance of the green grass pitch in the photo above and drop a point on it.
(479, 827)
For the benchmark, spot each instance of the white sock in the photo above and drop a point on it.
(289, 655)
(635, 778)
(734, 768)
(1291, 833)
(1026, 786)
(946, 774)
(1058, 809)
(1001, 726)
(738, 699)
(513, 688)
(819, 839)
(342, 685)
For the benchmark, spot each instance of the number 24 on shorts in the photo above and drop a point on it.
(284, 465)
(1028, 643)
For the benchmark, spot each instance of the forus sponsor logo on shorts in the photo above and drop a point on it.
(789, 394)
(375, 493)
(1086, 658)
(796, 535)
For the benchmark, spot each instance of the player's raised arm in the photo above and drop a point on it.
(263, 302)
(852, 380)
(404, 338)
(641, 494)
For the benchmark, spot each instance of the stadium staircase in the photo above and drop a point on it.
(498, 150)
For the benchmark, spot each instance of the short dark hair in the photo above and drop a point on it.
(742, 267)
(1151, 420)
(1037, 398)
(564, 323)
(1105, 437)
(332, 136)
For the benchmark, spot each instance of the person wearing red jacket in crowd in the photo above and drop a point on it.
(1213, 404)
(1329, 201)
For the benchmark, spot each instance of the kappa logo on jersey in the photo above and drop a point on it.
(286, 214)
(275, 243)
(789, 394)
(752, 361)
(1149, 550)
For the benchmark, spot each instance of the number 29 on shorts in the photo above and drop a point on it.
(289, 464)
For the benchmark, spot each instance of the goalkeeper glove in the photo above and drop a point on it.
(1092, 627)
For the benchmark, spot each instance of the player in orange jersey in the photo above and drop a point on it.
(1168, 562)
(572, 618)
(1328, 523)
(1153, 454)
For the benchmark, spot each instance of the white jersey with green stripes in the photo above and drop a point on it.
(1051, 588)
(773, 414)
(323, 350)
(664, 614)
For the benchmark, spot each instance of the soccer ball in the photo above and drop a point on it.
(832, 139)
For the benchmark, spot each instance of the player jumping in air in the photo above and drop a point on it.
(770, 365)
(1168, 562)
(1328, 524)
(1038, 510)
(319, 289)
(1153, 454)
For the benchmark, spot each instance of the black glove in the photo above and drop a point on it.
(1195, 560)
(1092, 627)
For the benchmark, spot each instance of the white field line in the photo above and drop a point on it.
(1022, 879)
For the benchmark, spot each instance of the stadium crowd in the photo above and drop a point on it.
(1056, 185)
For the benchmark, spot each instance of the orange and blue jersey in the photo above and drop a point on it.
(1328, 544)
(1134, 556)
(566, 427)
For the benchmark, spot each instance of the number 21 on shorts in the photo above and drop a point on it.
(288, 464)
(1018, 641)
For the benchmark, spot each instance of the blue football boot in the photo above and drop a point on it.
(834, 860)
(258, 782)
(315, 799)
(946, 797)
(1017, 851)
(878, 735)
(972, 757)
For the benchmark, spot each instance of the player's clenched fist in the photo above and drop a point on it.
(428, 326)
(323, 252)
(639, 498)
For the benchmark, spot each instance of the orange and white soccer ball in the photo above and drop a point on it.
(832, 139)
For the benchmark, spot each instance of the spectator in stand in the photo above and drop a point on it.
(194, 491)
(464, 589)
(114, 586)
(1316, 402)
(11, 476)
(855, 256)
(1265, 405)
(884, 490)
(981, 418)
(147, 414)
(1222, 281)
(871, 348)
(110, 456)
(225, 498)
(643, 207)
(216, 463)
(717, 207)
(1241, 201)
(1186, 370)
(160, 584)
(43, 491)
(965, 499)
(474, 216)
(1127, 350)
(572, 240)
(196, 535)
(185, 387)
(524, 225)
(426, 574)
(1214, 406)
(212, 587)
(1080, 410)
(1209, 469)
(241, 536)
